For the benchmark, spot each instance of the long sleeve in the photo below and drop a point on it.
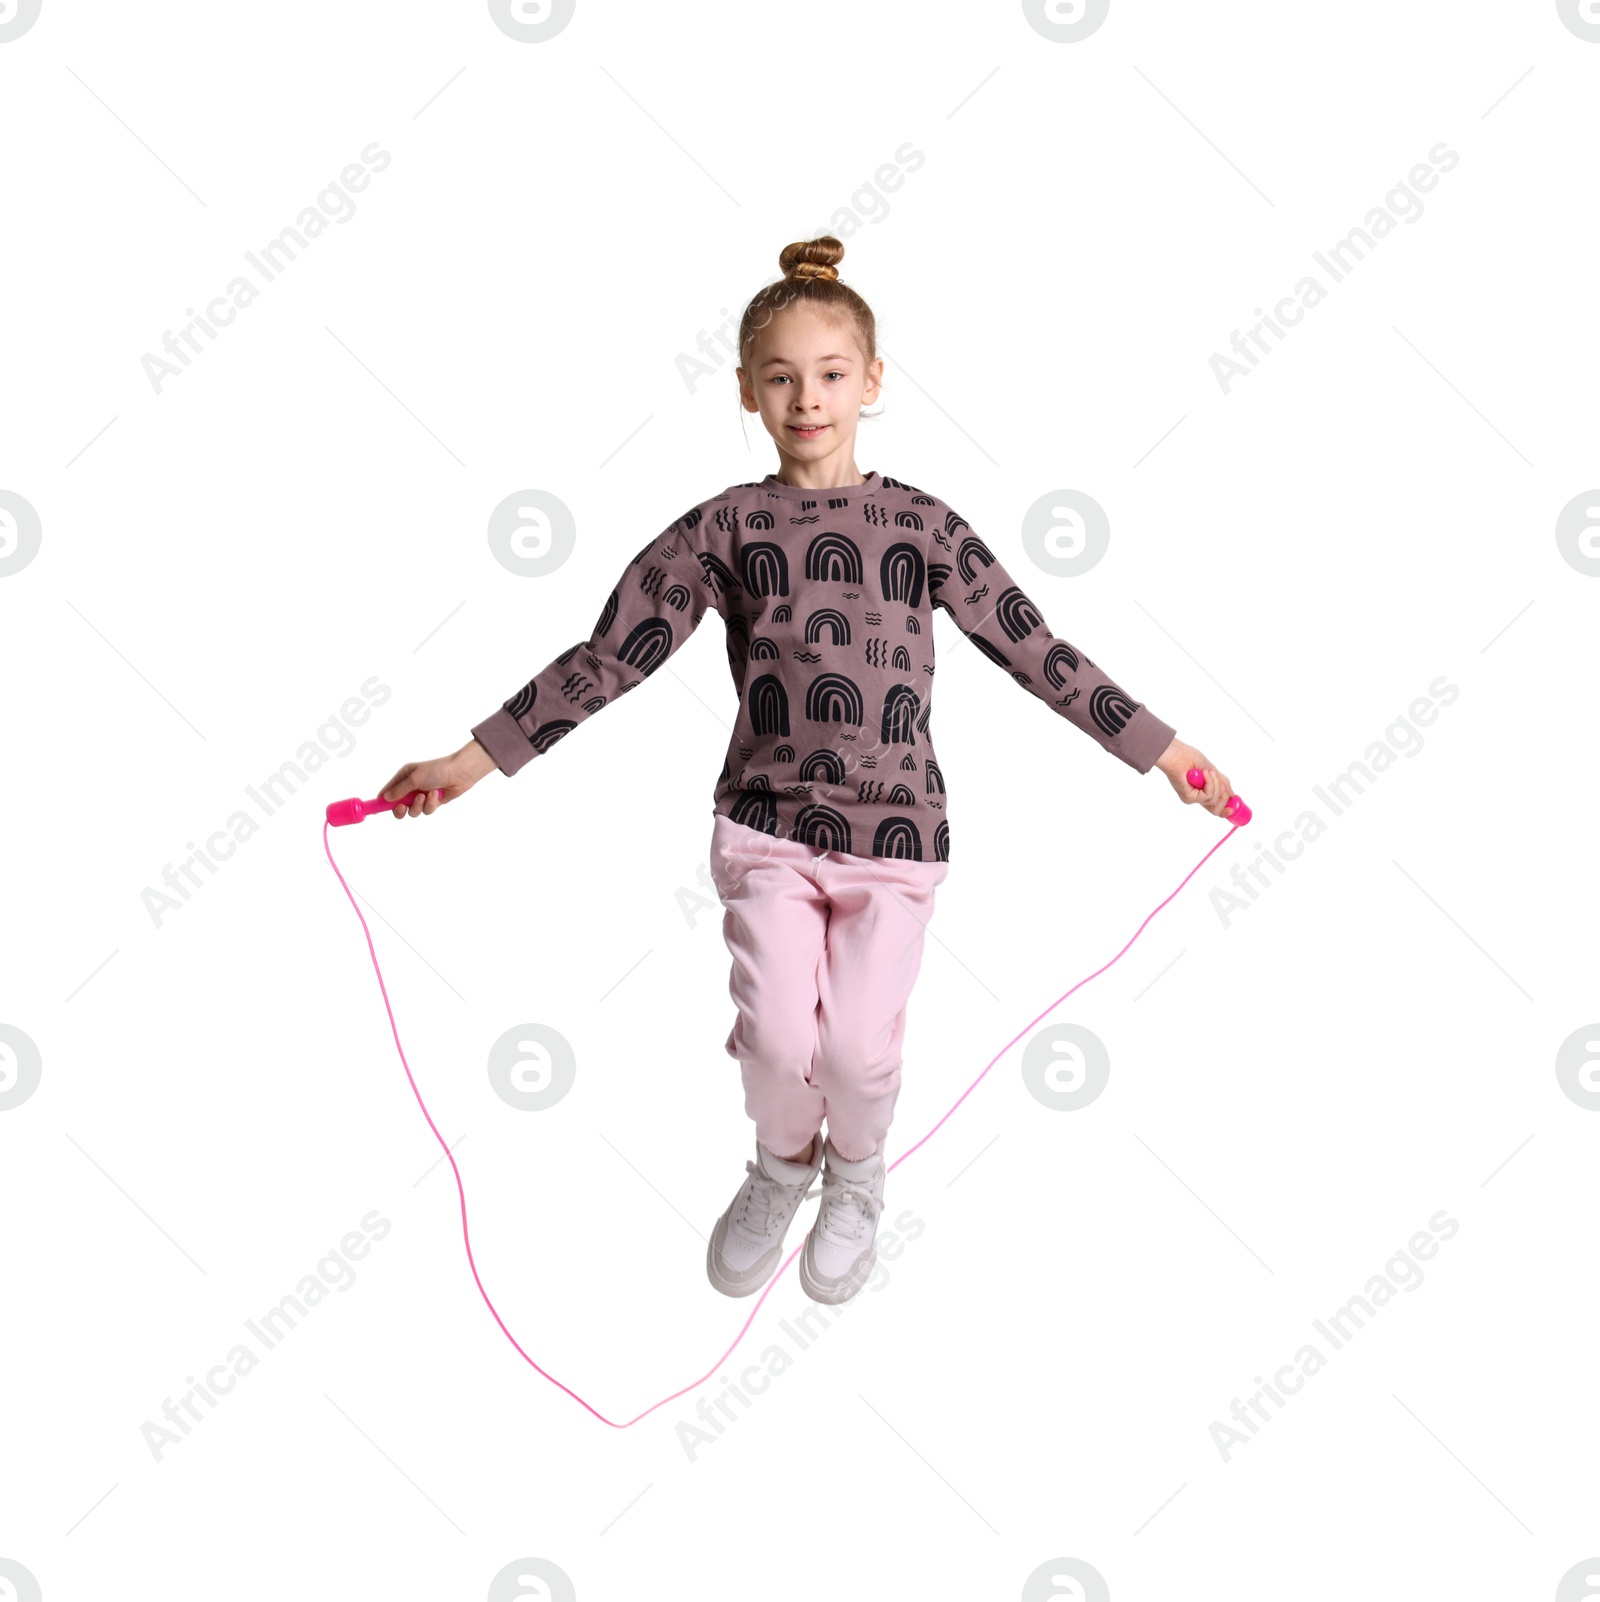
(992, 610)
(655, 606)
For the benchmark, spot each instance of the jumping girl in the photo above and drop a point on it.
(830, 830)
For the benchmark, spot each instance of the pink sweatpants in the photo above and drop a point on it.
(826, 947)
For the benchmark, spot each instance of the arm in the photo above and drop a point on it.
(655, 606)
(992, 610)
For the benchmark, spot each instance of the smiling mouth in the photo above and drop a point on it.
(807, 431)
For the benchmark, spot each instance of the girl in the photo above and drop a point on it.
(829, 829)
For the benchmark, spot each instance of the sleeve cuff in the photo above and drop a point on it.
(502, 737)
(1144, 738)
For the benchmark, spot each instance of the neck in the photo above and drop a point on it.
(837, 470)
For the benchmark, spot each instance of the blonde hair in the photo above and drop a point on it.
(810, 276)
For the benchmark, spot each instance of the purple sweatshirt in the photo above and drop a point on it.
(828, 599)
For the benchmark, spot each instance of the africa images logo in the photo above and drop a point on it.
(16, 17)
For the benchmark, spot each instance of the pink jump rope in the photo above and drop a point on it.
(341, 813)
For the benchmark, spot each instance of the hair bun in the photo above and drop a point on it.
(810, 281)
(812, 258)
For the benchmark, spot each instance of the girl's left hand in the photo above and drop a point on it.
(1176, 761)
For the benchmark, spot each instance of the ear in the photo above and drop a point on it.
(874, 380)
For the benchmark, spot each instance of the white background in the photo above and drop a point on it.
(1292, 1095)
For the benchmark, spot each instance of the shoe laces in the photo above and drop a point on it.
(762, 1197)
(849, 1206)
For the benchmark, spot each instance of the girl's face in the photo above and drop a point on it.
(809, 380)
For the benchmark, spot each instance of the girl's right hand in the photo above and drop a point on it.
(1176, 761)
(440, 780)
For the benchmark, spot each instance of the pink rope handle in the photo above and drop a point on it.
(461, 1190)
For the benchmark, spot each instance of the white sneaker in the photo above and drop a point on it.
(842, 1246)
(747, 1241)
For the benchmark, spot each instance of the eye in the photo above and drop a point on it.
(836, 374)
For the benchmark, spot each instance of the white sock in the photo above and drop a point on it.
(785, 1169)
(857, 1168)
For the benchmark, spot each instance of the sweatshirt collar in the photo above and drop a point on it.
(794, 492)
